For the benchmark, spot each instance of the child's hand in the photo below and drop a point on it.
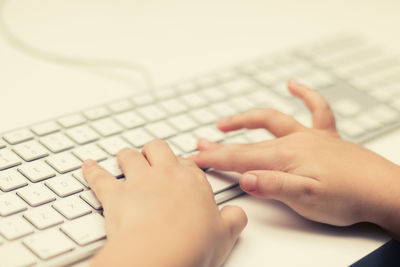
(314, 171)
(163, 214)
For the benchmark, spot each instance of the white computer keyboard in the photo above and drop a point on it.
(48, 214)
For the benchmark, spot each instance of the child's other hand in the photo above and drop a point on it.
(163, 214)
(314, 171)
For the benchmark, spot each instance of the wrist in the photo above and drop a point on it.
(152, 250)
(384, 208)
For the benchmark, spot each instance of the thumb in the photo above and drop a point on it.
(235, 219)
(277, 185)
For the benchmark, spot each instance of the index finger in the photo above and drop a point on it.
(322, 114)
(132, 162)
(241, 157)
(158, 152)
(276, 122)
(100, 181)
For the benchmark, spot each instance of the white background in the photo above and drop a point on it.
(176, 40)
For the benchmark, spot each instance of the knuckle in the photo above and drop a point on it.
(93, 172)
(285, 153)
(323, 105)
(309, 194)
(157, 142)
(154, 143)
(233, 148)
(124, 153)
(269, 112)
(127, 153)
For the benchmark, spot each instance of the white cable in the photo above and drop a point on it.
(95, 65)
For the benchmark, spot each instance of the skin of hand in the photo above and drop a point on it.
(312, 170)
(163, 214)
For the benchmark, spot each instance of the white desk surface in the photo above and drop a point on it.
(175, 39)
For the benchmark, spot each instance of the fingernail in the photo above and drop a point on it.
(204, 143)
(89, 163)
(248, 182)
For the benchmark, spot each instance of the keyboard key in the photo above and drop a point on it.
(346, 107)
(164, 93)
(64, 185)
(36, 171)
(8, 159)
(187, 142)
(394, 103)
(15, 227)
(2, 144)
(96, 113)
(259, 135)
(214, 94)
(64, 162)
(107, 127)
(49, 244)
(71, 120)
(175, 149)
(18, 136)
(57, 142)
(203, 115)
(209, 133)
(268, 99)
(318, 79)
(223, 110)
(36, 194)
(206, 80)
(235, 133)
(267, 78)
(186, 87)
(350, 128)
(173, 106)
(238, 86)
(11, 179)
(91, 199)
(194, 100)
(130, 119)
(382, 113)
(382, 94)
(143, 99)
(137, 137)
(9, 251)
(242, 103)
(121, 105)
(90, 151)
(112, 145)
(304, 118)
(45, 128)
(86, 229)
(367, 121)
(43, 217)
(281, 89)
(152, 113)
(239, 139)
(82, 134)
(111, 165)
(10, 204)
(30, 150)
(78, 175)
(160, 129)
(72, 207)
(183, 122)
